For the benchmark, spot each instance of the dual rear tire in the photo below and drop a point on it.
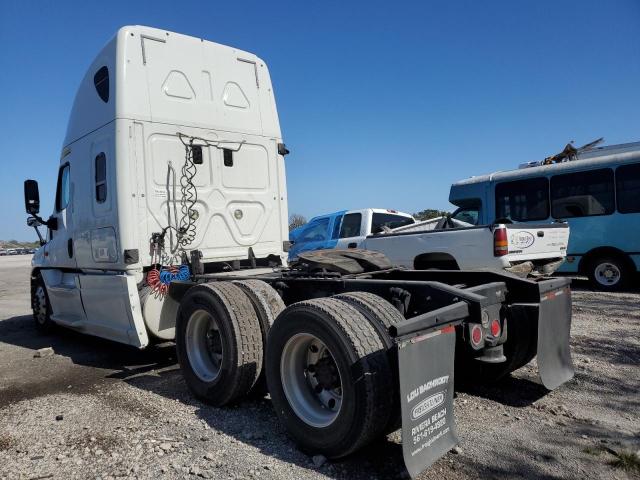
(328, 362)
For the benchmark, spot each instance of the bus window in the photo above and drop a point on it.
(628, 188)
(523, 200)
(582, 194)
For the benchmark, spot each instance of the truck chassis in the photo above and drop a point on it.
(350, 348)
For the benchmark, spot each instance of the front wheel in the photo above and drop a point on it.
(608, 274)
(40, 305)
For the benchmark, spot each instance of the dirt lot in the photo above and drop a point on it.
(96, 409)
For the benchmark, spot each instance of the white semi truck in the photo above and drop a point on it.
(170, 223)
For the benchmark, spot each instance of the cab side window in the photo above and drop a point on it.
(62, 190)
(351, 225)
(101, 177)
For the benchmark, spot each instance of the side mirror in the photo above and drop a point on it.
(31, 197)
(33, 222)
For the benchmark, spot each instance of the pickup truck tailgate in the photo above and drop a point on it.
(531, 242)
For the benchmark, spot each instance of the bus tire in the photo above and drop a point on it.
(218, 342)
(608, 273)
(328, 377)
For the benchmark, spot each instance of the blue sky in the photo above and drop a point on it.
(383, 104)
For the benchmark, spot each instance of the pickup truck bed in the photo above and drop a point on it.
(518, 248)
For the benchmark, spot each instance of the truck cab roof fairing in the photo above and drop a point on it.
(187, 87)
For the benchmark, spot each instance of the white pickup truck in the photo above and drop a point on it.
(448, 243)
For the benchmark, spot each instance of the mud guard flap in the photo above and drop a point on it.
(426, 364)
(554, 326)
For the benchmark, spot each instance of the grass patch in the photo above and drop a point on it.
(627, 461)
(593, 450)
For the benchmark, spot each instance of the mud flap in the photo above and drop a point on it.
(426, 364)
(554, 326)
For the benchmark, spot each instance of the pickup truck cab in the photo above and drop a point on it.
(455, 242)
(344, 229)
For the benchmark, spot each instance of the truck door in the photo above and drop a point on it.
(61, 280)
(351, 234)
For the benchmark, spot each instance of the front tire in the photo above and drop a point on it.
(329, 377)
(218, 342)
(41, 306)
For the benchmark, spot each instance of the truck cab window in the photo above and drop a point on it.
(336, 227)
(62, 190)
(523, 200)
(351, 225)
(389, 220)
(101, 82)
(582, 194)
(101, 177)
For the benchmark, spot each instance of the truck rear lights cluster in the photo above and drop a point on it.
(476, 335)
(500, 243)
(495, 328)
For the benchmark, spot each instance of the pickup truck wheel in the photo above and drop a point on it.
(41, 306)
(382, 315)
(328, 376)
(608, 273)
(268, 305)
(218, 342)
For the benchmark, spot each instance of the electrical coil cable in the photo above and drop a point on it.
(183, 227)
(188, 198)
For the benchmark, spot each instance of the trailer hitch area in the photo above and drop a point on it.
(555, 366)
(426, 356)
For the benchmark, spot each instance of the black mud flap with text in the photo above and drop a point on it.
(554, 327)
(426, 364)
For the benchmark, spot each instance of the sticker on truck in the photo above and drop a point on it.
(522, 240)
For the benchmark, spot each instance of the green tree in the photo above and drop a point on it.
(429, 213)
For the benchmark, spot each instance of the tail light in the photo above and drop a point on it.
(476, 335)
(495, 328)
(500, 243)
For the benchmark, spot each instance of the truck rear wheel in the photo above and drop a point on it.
(268, 305)
(328, 376)
(382, 315)
(218, 342)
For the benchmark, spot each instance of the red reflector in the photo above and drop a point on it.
(449, 329)
(500, 243)
(476, 334)
(495, 328)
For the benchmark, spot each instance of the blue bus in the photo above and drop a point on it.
(598, 194)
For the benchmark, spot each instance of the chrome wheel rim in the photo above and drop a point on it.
(204, 345)
(607, 274)
(311, 380)
(40, 305)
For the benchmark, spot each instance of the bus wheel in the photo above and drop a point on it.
(608, 273)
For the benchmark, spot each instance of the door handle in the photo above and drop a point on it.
(352, 245)
(70, 247)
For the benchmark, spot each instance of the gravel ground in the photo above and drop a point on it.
(96, 409)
